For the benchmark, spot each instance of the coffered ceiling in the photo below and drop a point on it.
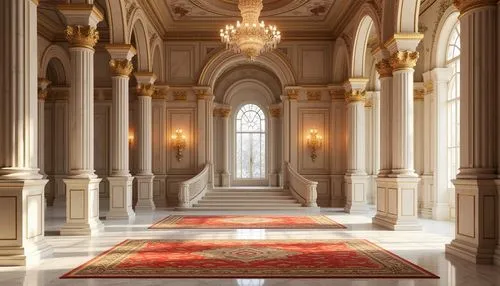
(296, 18)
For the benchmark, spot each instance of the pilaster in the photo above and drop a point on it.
(120, 181)
(42, 96)
(356, 178)
(82, 186)
(224, 113)
(476, 188)
(275, 112)
(144, 177)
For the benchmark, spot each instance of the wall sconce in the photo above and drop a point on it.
(179, 143)
(131, 137)
(314, 142)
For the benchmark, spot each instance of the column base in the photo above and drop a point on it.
(397, 203)
(425, 194)
(82, 207)
(225, 179)
(22, 239)
(356, 191)
(475, 238)
(145, 202)
(441, 211)
(120, 198)
(274, 180)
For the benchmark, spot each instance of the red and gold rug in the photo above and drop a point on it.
(248, 259)
(246, 222)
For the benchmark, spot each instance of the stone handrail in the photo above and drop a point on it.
(192, 190)
(302, 189)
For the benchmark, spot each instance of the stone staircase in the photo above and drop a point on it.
(247, 198)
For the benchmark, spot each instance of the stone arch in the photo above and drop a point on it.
(157, 63)
(138, 29)
(359, 47)
(249, 84)
(225, 60)
(399, 16)
(117, 21)
(443, 31)
(341, 63)
(63, 69)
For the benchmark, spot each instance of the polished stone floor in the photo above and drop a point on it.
(425, 248)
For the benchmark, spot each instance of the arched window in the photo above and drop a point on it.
(250, 143)
(453, 104)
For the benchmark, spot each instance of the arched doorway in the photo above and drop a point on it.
(250, 167)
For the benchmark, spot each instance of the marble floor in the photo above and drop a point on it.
(425, 248)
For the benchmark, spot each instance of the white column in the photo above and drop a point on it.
(427, 188)
(356, 178)
(372, 107)
(202, 129)
(120, 180)
(338, 119)
(418, 143)
(144, 177)
(476, 185)
(209, 119)
(286, 138)
(224, 112)
(275, 112)
(82, 185)
(42, 96)
(293, 96)
(21, 185)
(399, 191)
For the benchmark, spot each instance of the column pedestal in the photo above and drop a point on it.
(425, 207)
(82, 207)
(120, 198)
(145, 200)
(397, 203)
(22, 219)
(475, 237)
(356, 189)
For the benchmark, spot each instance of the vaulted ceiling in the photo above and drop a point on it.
(295, 18)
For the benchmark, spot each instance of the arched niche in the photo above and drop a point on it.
(248, 91)
(55, 63)
(226, 60)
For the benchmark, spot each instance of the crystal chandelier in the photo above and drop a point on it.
(250, 37)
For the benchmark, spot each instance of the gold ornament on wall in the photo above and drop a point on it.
(314, 142)
(82, 36)
(179, 143)
(180, 95)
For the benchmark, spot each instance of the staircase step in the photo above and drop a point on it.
(254, 200)
(240, 204)
(248, 193)
(245, 208)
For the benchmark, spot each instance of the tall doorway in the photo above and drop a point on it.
(251, 149)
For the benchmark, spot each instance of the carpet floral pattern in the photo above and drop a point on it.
(248, 259)
(247, 222)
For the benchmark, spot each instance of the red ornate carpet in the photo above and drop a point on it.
(234, 222)
(248, 259)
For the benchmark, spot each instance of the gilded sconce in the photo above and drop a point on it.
(314, 142)
(179, 143)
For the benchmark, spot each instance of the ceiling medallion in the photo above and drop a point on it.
(250, 37)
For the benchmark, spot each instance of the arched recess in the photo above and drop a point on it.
(249, 85)
(138, 29)
(59, 62)
(157, 62)
(117, 22)
(367, 30)
(226, 60)
(341, 63)
(443, 31)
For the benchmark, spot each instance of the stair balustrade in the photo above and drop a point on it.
(194, 189)
(302, 189)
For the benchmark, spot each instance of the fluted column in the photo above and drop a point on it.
(398, 191)
(384, 70)
(477, 182)
(205, 102)
(42, 96)
(224, 112)
(21, 184)
(275, 112)
(286, 139)
(144, 177)
(82, 185)
(356, 177)
(120, 181)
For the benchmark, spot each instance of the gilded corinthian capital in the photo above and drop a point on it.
(145, 90)
(466, 5)
(355, 95)
(404, 59)
(121, 67)
(82, 36)
(384, 68)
